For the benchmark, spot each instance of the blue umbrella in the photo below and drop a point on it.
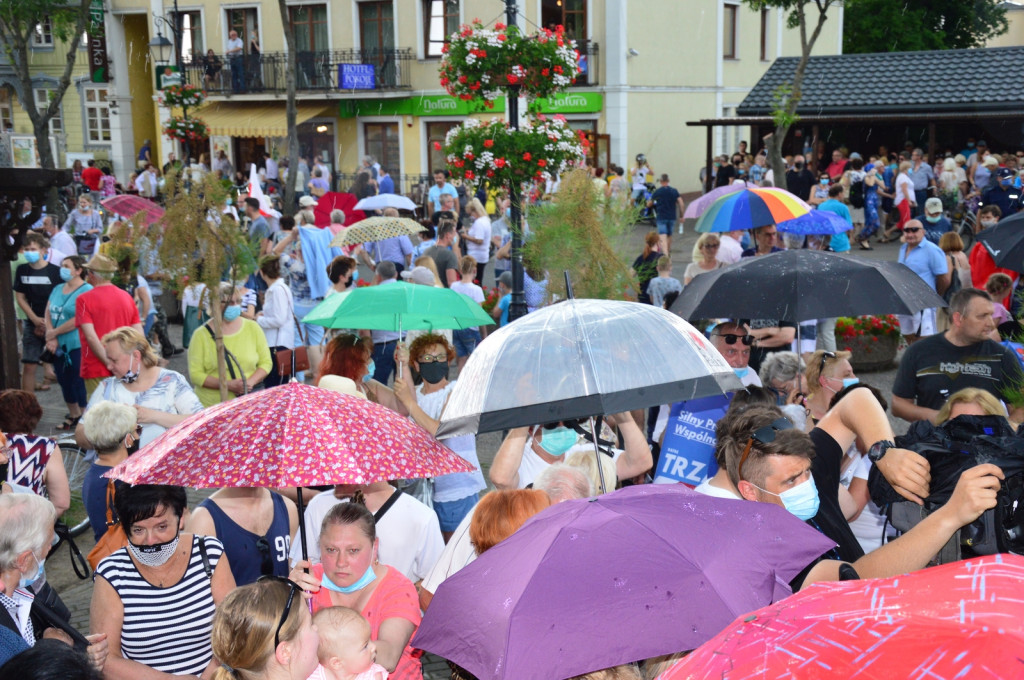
(816, 222)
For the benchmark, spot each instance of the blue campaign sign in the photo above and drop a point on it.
(688, 450)
(357, 77)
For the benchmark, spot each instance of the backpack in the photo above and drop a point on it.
(857, 194)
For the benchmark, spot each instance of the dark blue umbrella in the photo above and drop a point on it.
(815, 223)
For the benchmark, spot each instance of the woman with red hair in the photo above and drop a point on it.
(351, 356)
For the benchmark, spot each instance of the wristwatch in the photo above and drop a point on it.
(879, 448)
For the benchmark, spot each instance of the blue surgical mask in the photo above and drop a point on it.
(66, 274)
(557, 441)
(931, 219)
(850, 381)
(1002, 182)
(230, 201)
(366, 579)
(801, 500)
(32, 256)
(355, 275)
(741, 372)
(232, 312)
(40, 573)
(371, 368)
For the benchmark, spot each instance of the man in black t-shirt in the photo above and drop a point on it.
(799, 180)
(33, 282)
(668, 209)
(771, 335)
(447, 261)
(964, 356)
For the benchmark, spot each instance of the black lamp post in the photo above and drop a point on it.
(158, 48)
(517, 308)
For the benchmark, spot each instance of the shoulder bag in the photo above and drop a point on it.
(114, 539)
(292, 361)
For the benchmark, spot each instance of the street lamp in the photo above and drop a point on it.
(160, 49)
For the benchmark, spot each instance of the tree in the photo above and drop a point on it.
(18, 21)
(288, 195)
(885, 26)
(788, 98)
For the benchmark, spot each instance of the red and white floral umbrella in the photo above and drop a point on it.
(288, 436)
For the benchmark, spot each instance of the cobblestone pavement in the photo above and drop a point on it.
(77, 594)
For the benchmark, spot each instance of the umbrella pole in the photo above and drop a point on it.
(595, 427)
(399, 343)
(302, 523)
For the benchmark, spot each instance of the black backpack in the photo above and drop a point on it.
(857, 194)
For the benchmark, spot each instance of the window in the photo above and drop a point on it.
(572, 14)
(97, 116)
(436, 132)
(243, 22)
(440, 20)
(6, 110)
(764, 34)
(376, 26)
(43, 35)
(191, 24)
(42, 96)
(381, 141)
(310, 24)
(729, 32)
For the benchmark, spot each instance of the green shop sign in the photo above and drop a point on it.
(572, 102)
(425, 105)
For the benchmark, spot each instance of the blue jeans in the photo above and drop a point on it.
(67, 369)
(665, 227)
(238, 74)
(465, 341)
(384, 360)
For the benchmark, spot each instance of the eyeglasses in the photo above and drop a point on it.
(709, 246)
(572, 424)
(825, 356)
(911, 230)
(266, 562)
(731, 338)
(294, 588)
(432, 358)
(763, 435)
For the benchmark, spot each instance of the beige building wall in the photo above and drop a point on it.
(1014, 36)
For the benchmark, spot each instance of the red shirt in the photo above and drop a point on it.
(983, 266)
(107, 308)
(92, 177)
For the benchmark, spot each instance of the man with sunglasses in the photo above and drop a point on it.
(928, 261)
(769, 461)
(527, 451)
(734, 342)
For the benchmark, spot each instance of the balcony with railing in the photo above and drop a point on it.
(317, 71)
(590, 59)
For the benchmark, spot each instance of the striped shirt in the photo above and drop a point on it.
(167, 629)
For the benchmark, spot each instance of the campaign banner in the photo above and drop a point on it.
(688, 449)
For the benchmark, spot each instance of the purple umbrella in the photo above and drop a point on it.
(816, 222)
(699, 205)
(594, 583)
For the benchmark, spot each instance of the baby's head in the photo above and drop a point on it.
(345, 645)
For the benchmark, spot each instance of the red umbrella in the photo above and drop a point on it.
(958, 620)
(129, 205)
(333, 200)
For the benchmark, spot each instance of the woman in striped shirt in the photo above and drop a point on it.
(155, 598)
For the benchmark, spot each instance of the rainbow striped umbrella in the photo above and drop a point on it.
(751, 208)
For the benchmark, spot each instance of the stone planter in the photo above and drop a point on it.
(870, 352)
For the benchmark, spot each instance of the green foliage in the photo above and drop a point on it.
(578, 233)
(910, 26)
(782, 113)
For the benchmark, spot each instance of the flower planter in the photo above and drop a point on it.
(870, 352)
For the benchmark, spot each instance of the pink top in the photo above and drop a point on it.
(374, 672)
(394, 598)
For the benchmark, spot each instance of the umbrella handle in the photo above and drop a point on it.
(302, 524)
(595, 427)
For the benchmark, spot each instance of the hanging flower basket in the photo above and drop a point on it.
(873, 340)
(186, 130)
(490, 151)
(182, 96)
(481, 63)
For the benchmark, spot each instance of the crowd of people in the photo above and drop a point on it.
(225, 590)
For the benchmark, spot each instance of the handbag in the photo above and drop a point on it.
(292, 361)
(114, 539)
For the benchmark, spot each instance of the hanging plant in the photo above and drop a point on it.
(482, 63)
(182, 96)
(490, 151)
(186, 130)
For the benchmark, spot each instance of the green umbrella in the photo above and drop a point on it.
(399, 306)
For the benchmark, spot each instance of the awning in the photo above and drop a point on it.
(240, 119)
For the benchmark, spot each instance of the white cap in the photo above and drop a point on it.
(341, 385)
(308, 202)
(420, 275)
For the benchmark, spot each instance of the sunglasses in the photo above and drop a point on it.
(731, 338)
(709, 246)
(912, 230)
(825, 356)
(572, 424)
(294, 588)
(763, 435)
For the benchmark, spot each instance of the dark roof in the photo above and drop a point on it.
(898, 82)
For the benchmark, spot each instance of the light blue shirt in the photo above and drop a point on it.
(926, 259)
(840, 242)
(434, 195)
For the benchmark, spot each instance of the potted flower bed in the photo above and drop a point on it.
(873, 340)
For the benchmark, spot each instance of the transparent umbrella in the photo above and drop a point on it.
(582, 358)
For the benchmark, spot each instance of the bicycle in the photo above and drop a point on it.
(76, 463)
(965, 226)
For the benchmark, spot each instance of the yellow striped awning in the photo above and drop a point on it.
(267, 119)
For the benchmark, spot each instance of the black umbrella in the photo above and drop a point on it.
(797, 285)
(1005, 242)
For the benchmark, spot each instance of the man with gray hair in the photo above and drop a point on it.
(61, 243)
(559, 481)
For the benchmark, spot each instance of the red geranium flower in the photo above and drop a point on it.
(488, 143)
(437, 146)
(541, 163)
(527, 156)
(469, 174)
(499, 162)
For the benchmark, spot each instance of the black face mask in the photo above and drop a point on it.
(434, 372)
(798, 165)
(348, 281)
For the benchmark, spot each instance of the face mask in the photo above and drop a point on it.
(230, 201)
(850, 381)
(32, 256)
(741, 372)
(36, 579)
(931, 219)
(66, 274)
(366, 579)
(798, 165)
(349, 281)
(154, 555)
(232, 312)
(557, 441)
(434, 372)
(355, 276)
(801, 500)
(824, 182)
(136, 439)
(970, 145)
(1002, 182)
(988, 223)
(371, 368)
(130, 376)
